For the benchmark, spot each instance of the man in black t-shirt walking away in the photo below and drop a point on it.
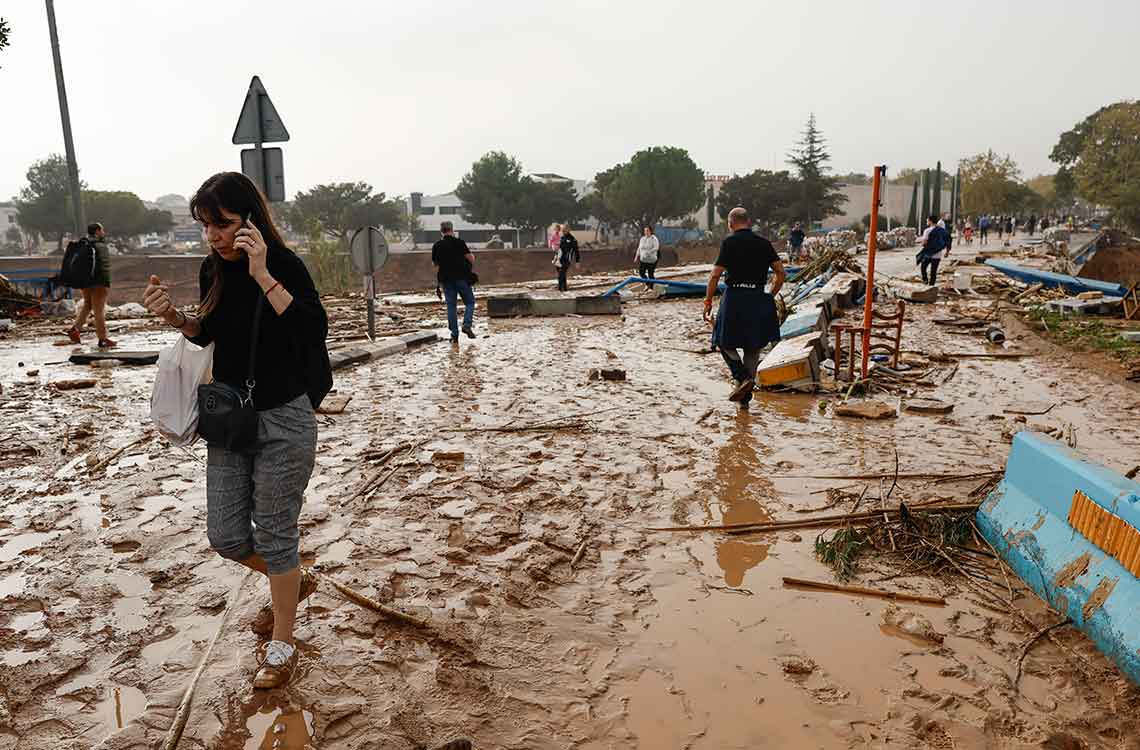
(453, 263)
(747, 319)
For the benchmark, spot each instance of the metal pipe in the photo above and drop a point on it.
(65, 117)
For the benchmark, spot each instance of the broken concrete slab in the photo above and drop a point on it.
(345, 357)
(340, 358)
(516, 305)
(1103, 305)
(419, 337)
(334, 403)
(929, 406)
(127, 358)
(793, 363)
(844, 289)
(865, 409)
(910, 292)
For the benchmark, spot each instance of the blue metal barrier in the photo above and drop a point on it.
(1071, 531)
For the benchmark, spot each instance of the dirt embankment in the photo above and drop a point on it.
(1120, 262)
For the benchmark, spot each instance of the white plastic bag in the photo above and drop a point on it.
(174, 402)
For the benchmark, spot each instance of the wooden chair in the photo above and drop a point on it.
(886, 338)
(1132, 301)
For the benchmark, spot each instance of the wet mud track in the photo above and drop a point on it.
(109, 593)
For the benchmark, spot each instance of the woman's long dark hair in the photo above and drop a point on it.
(237, 194)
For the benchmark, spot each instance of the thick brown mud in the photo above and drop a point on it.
(109, 593)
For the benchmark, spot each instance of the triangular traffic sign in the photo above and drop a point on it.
(271, 127)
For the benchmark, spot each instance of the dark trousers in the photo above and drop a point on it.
(933, 263)
(742, 368)
(646, 270)
(562, 285)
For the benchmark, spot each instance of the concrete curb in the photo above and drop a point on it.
(341, 358)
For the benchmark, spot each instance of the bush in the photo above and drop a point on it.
(865, 224)
(331, 267)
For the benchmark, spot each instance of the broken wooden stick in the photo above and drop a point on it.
(374, 479)
(863, 591)
(369, 603)
(807, 523)
(118, 452)
(174, 734)
(578, 554)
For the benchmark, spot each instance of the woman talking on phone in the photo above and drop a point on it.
(261, 311)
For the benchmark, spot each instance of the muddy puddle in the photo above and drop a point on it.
(109, 593)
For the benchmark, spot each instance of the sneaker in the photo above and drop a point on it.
(276, 666)
(263, 623)
(743, 391)
(73, 334)
(107, 344)
(455, 339)
(467, 330)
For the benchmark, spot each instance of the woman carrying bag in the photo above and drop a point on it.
(262, 312)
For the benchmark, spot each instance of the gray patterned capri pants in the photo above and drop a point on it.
(253, 500)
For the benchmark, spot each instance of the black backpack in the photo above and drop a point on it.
(79, 263)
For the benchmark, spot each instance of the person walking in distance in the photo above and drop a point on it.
(94, 302)
(454, 264)
(567, 254)
(261, 311)
(935, 241)
(984, 229)
(796, 241)
(646, 256)
(747, 319)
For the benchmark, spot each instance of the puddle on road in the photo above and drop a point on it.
(20, 544)
(269, 726)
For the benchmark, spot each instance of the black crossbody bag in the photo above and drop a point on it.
(226, 416)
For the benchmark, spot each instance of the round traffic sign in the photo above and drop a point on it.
(369, 250)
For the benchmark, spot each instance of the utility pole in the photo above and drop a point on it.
(68, 144)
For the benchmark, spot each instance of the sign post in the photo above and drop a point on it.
(369, 254)
(259, 123)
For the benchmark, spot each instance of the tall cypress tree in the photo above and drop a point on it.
(937, 209)
(925, 197)
(820, 194)
(912, 217)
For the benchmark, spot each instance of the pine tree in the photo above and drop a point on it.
(821, 196)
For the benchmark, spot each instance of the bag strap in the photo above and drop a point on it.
(250, 382)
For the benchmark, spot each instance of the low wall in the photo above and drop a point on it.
(404, 271)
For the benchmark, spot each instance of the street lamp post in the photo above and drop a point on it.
(68, 144)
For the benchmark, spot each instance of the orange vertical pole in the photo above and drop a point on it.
(872, 246)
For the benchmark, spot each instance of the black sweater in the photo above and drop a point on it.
(291, 353)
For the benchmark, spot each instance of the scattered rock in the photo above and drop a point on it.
(33, 373)
(478, 600)
(929, 406)
(911, 623)
(606, 374)
(797, 665)
(448, 456)
(865, 409)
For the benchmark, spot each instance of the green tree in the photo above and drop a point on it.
(123, 214)
(658, 183)
(540, 204)
(865, 224)
(44, 205)
(1107, 170)
(340, 207)
(595, 202)
(5, 29)
(911, 176)
(1067, 153)
(771, 198)
(854, 178)
(491, 191)
(819, 193)
(990, 184)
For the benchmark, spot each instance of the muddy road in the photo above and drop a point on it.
(109, 593)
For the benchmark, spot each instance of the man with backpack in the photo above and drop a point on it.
(935, 242)
(87, 267)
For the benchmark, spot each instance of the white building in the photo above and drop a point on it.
(432, 210)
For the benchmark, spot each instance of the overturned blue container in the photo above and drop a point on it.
(1069, 528)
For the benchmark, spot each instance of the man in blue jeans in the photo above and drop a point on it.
(453, 263)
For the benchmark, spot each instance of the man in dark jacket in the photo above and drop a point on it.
(796, 240)
(94, 300)
(567, 254)
(747, 319)
(453, 263)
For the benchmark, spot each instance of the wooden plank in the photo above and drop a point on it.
(127, 358)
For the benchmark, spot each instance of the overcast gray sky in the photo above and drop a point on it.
(405, 95)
